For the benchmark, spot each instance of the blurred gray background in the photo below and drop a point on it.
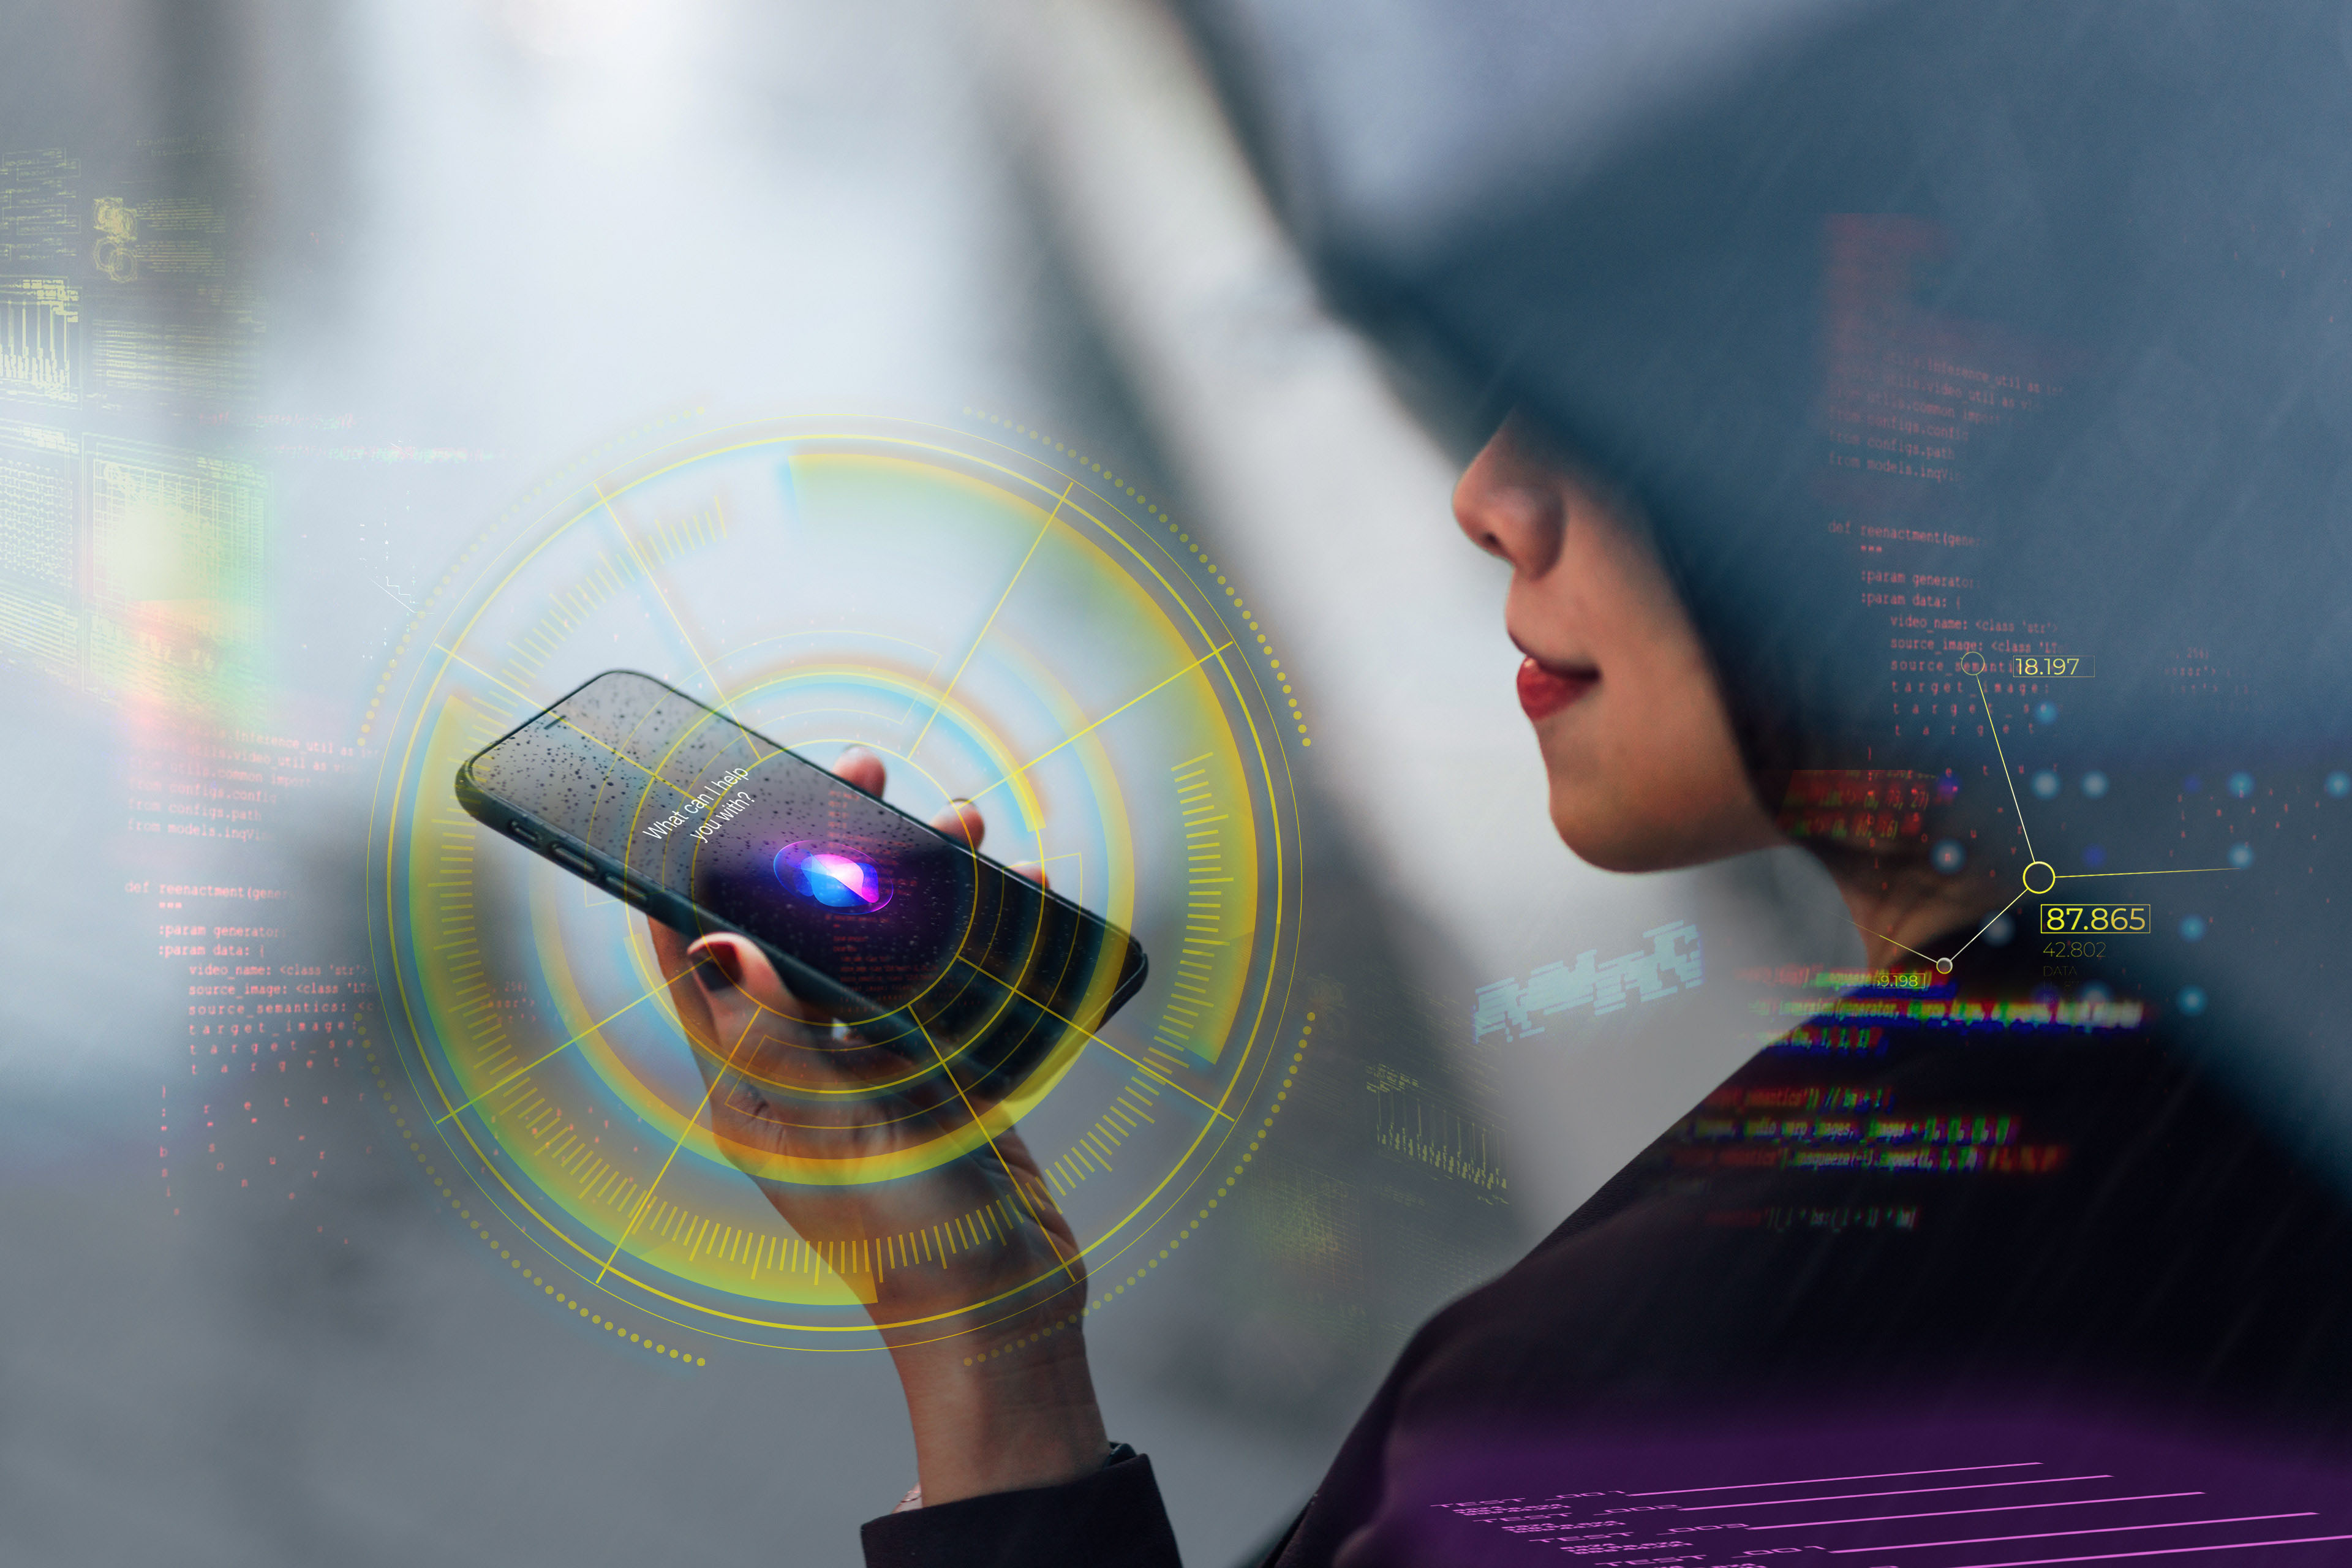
(384, 267)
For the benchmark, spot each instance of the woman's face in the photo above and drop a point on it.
(1644, 772)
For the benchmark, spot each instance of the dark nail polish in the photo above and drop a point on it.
(714, 968)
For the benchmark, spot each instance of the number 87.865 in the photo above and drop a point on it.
(2102, 918)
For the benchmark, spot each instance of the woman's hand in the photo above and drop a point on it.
(969, 1269)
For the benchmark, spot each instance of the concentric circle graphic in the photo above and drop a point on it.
(1002, 622)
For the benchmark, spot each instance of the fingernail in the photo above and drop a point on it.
(715, 965)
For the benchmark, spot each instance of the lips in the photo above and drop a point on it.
(1545, 690)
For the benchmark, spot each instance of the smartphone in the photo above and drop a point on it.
(913, 939)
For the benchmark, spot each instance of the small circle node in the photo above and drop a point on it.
(1973, 663)
(2049, 878)
(1943, 967)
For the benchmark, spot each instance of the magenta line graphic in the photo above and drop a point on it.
(1832, 1480)
(2048, 1534)
(1990, 1508)
(1898, 1492)
(2030, 1487)
(2164, 1551)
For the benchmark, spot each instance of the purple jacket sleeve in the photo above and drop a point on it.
(1112, 1519)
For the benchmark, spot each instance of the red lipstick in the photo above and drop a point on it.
(1544, 691)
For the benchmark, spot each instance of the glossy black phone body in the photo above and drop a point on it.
(912, 938)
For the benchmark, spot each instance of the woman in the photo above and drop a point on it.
(1919, 344)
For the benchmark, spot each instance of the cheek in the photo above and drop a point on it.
(1644, 772)
(1645, 775)
(1677, 741)
(1603, 776)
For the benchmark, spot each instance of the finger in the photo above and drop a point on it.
(738, 983)
(769, 1050)
(861, 767)
(1033, 871)
(754, 1023)
(684, 996)
(962, 821)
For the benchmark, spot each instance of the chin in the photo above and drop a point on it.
(1593, 837)
(1619, 839)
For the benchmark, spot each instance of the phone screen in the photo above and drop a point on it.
(897, 927)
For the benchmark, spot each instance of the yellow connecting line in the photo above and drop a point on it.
(1944, 965)
(994, 610)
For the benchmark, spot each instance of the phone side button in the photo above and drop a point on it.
(573, 859)
(627, 889)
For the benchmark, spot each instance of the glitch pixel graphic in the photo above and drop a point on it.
(1002, 620)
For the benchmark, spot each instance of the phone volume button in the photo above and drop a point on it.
(573, 859)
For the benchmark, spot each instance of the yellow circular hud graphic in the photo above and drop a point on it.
(1002, 621)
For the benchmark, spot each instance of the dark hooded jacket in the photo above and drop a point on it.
(1982, 371)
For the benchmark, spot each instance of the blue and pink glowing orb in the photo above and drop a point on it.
(837, 880)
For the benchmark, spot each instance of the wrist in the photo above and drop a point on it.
(1004, 1419)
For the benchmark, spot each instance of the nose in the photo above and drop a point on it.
(1508, 503)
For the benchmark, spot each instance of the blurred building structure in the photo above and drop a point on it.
(338, 286)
